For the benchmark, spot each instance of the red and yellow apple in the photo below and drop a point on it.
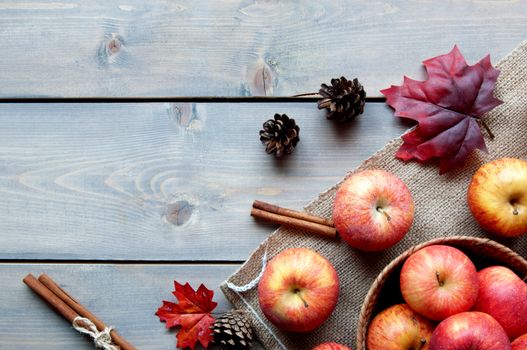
(331, 346)
(439, 281)
(469, 331)
(497, 197)
(520, 343)
(399, 328)
(298, 290)
(373, 210)
(503, 295)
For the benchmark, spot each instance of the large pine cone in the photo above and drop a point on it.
(280, 135)
(233, 330)
(344, 99)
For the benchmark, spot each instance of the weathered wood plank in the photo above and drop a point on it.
(162, 181)
(125, 296)
(230, 48)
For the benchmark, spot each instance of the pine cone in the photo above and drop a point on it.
(280, 135)
(344, 99)
(233, 330)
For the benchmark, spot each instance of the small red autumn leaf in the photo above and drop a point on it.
(192, 314)
(448, 107)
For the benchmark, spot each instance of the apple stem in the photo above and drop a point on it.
(423, 343)
(441, 283)
(380, 210)
(305, 302)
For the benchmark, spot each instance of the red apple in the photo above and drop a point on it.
(399, 328)
(331, 346)
(497, 197)
(439, 281)
(373, 210)
(469, 331)
(503, 295)
(520, 343)
(299, 290)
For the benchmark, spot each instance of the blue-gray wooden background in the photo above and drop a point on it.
(116, 200)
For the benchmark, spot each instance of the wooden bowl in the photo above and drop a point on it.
(385, 290)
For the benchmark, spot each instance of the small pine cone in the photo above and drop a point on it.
(344, 99)
(233, 330)
(280, 135)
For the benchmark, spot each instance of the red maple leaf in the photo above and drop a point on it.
(193, 314)
(448, 107)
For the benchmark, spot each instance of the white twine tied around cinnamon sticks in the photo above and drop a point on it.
(80, 317)
(102, 339)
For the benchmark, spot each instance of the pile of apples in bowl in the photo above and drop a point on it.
(445, 294)
(459, 293)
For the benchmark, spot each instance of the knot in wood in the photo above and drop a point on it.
(179, 213)
(113, 46)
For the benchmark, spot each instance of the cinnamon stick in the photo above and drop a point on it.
(82, 311)
(53, 300)
(291, 213)
(288, 221)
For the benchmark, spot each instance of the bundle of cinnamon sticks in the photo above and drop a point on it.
(68, 307)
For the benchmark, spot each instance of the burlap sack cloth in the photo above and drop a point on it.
(440, 210)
